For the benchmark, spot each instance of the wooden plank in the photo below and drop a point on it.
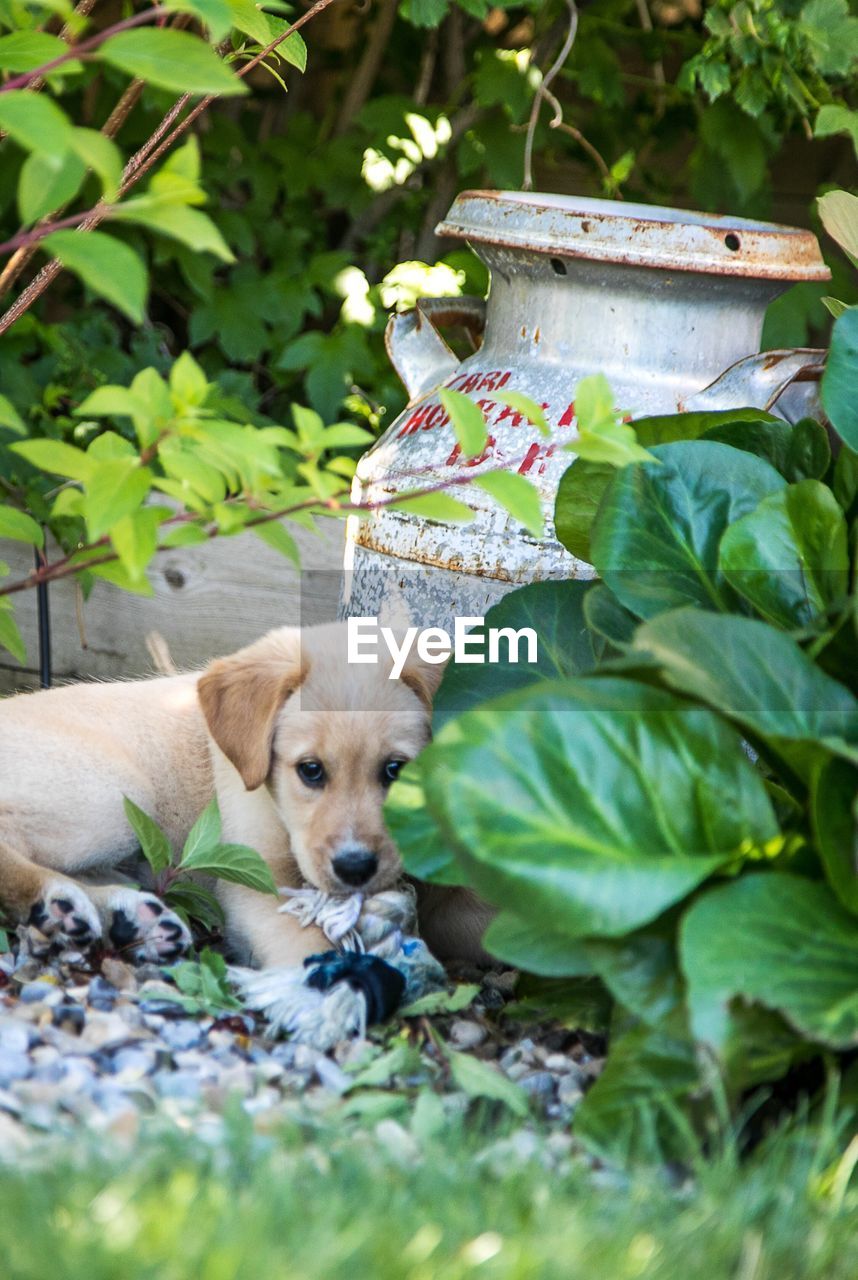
(209, 599)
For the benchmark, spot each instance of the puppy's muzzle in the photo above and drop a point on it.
(355, 866)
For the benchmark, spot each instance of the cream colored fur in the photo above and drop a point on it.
(67, 757)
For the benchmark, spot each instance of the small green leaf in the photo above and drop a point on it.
(516, 495)
(188, 226)
(109, 402)
(105, 264)
(47, 182)
(188, 383)
(193, 902)
(344, 435)
(154, 845)
(10, 418)
(484, 1080)
(834, 306)
(237, 863)
(20, 527)
(171, 60)
(467, 420)
(35, 122)
(55, 456)
(114, 489)
(434, 506)
(276, 535)
(838, 211)
(442, 1001)
(135, 538)
(251, 20)
(524, 405)
(10, 636)
(204, 835)
(594, 403)
(215, 14)
(102, 156)
(29, 50)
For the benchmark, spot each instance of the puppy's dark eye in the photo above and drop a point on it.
(390, 771)
(311, 772)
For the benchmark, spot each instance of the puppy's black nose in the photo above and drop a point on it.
(355, 866)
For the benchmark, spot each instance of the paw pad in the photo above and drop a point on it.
(144, 929)
(66, 916)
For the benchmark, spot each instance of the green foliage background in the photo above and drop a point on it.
(320, 192)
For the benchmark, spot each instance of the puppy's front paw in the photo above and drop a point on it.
(141, 927)
(65, 914)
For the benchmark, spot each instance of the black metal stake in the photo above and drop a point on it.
(44, 613)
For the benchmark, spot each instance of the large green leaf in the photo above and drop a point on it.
(656, 534)
(781, 940)
(106, 265)
(425, 852)
(534, 948)
(789, 557)
(592, 805)
(834, 812)
(840, 380)
(641, 973)
(582, 487)
(554, 611)
(633, 1111)
(171, 60)
(584, 483)
(759, 678)
(798, 451)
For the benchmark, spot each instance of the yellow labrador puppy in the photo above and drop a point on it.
(300, 747)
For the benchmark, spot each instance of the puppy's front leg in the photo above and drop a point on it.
(266, 936)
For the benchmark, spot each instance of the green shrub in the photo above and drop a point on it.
(665, 807)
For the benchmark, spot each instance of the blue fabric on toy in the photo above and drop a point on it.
(382, 986)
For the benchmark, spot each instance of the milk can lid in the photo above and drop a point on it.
(635, 235)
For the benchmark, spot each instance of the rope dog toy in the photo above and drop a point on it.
(377, 963)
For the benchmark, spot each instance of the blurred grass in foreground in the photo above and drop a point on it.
(430, 1199)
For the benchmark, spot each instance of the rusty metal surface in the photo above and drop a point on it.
(635, 235)
(667, 340)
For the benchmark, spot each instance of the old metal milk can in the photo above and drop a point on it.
(668, 304)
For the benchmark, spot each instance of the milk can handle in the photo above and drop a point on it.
(415, 347)
(760, 380)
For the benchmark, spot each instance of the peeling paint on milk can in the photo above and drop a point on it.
(668, 304)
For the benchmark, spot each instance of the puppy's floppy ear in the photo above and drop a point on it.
(423, 677)
(241, 696)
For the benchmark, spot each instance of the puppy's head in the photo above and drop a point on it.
(327, 738)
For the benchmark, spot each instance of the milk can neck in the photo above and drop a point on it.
(603, 317)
